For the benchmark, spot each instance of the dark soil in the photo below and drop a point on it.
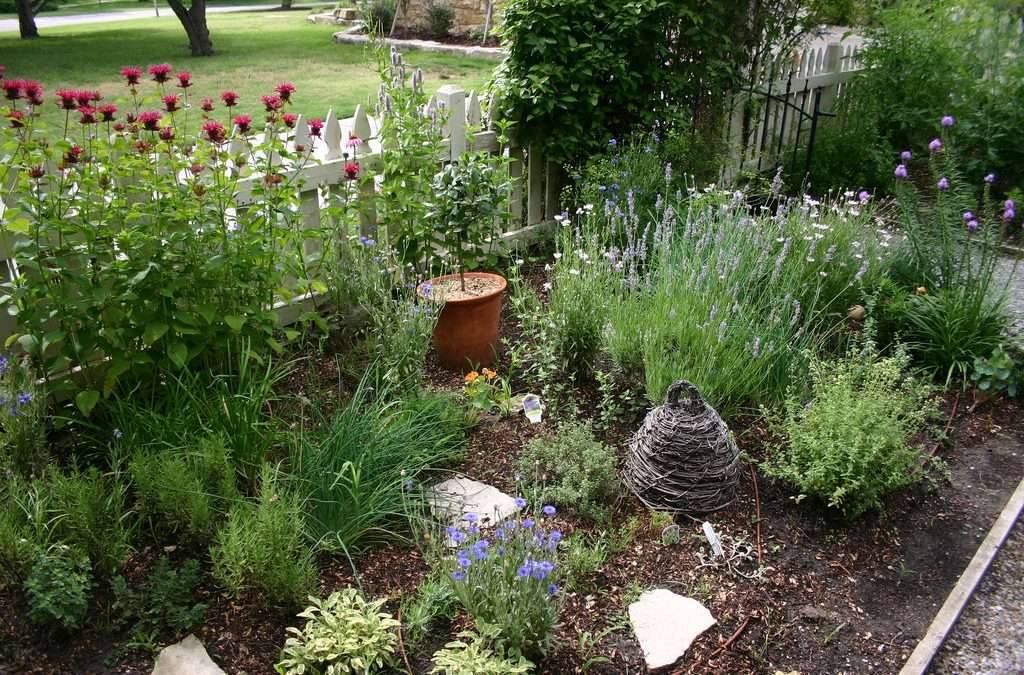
(827, 597)
(460, 39)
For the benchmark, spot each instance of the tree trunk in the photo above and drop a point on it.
(286, 4)
(193, 20)
(26, 20)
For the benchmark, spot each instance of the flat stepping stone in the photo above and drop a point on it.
(457, 497)
(666, 624)
(187, 657)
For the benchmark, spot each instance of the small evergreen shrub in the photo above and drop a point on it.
(163, 602)
(187, 491)
(470, 654)
(343, 634)
(262, 546)
(90, 512)
(849, 445)
(573, 470)
(440, 17)
(58, 588)
(380, 15)
(432, 603)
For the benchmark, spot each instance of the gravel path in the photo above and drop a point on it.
(989, 637)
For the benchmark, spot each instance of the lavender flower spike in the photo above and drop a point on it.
(943, 184)
(948, 121)
(901, 171)
(935, 145)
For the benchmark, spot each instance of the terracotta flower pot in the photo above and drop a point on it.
(466, 334)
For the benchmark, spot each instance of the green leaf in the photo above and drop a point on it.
(234, 322)
(86, 400)
(178, 354)
(154, 332)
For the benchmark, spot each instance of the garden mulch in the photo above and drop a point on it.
(827, 598)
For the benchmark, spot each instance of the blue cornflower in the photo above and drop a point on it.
(549, 510)
(459, 575)
(458, 536)
(474, 530)
(524, 570)
(24, 398)
(463, 560)
(500, 534)
(528, 523)
(552, 589)
(555, 536)
(427, 288)
(482, 544)
(520, 503)
(471, 517)
(547, 566)
(3, 364)
(612, 142)
(510, 525)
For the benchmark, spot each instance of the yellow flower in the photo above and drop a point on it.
(472, 376)
(489, 374)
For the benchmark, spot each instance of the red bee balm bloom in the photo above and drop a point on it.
(207, 105)
(352, 170)
(73, 155)
(244, 123)
(88, 114)
(272, 102)
(108, 110)
(289, 119)
(316, 127)
(131, 74)
(170, 102)
(150, 120)
(184, 79)
(161, 72)
(167, 134)
(17, 118)
(37, 172)
(285, 90)
(230, 98)
(85, 97)
(13, 89)
(66, 99)
(34, 92)
(214, 131)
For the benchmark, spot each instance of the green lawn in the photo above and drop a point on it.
(255, 51)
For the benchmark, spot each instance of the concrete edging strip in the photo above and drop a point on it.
(944, 621)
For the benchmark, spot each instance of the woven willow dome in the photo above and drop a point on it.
(683, 458)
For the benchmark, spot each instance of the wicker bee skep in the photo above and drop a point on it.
(683, 458)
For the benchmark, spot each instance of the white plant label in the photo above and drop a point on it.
(532, 408)
(716, 544)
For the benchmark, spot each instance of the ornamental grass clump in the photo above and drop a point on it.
(849, 438)
(509, 578)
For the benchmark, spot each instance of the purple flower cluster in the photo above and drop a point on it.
(1009, 210)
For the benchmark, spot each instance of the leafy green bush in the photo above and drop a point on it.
(572, 469)
(164, 602)
(90, 512)
(584, 557)
(58, 588)
(849, 444)
(353, 471)
(510, 581)
(380, 15)
(26, 526)
(186, 491)
(997, 374)
(22, 418)
(432, 601)
(440, 17)
(470, 654)
(343, 634)
(262, 546)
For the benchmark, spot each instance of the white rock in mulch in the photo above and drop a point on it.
(456, 497)
(187, 657)
(666, 624)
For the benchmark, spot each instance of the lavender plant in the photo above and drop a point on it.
(509, 579)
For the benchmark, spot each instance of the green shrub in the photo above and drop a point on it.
(440, 17)
(584, 557)
(164, 602)
(380, 15)
(186, 491)
(343, 634)
(26, 526)
(470, 654)
(849, 443)
(997, 374)
(353, 471)
(90, 512)
(58, 588)
(22, 418)
(262, 547)
(574, 470)
(433, 601)
(509, 582)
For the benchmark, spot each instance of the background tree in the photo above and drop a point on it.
(27, 10)
(193, 19)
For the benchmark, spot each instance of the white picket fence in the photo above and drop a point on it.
(781, 108)
(533, 198)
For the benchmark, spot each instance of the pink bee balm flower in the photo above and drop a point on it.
(352, 170)
(17, 119)
(285, 90)
(131, 74)
(316, 127)
(272, 102)
(184, 79)
(289, 119)
(167, 134)
(67, 99)
(935, 145)
(170, 102)
(244, 123)
(13, 89)
(161, 72)
(85, 97)
(214, 131)
(207, 104)
(150, 120)
(88, 114)
(108, 110)
(230, 98)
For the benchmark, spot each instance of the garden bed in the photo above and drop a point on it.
(829, 598)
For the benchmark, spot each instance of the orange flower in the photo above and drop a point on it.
(921, 290)
(472, 376)
(489, 374)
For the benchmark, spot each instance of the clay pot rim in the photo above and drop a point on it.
(466, 302)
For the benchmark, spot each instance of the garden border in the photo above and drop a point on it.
(940, 628)
(490, 53)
